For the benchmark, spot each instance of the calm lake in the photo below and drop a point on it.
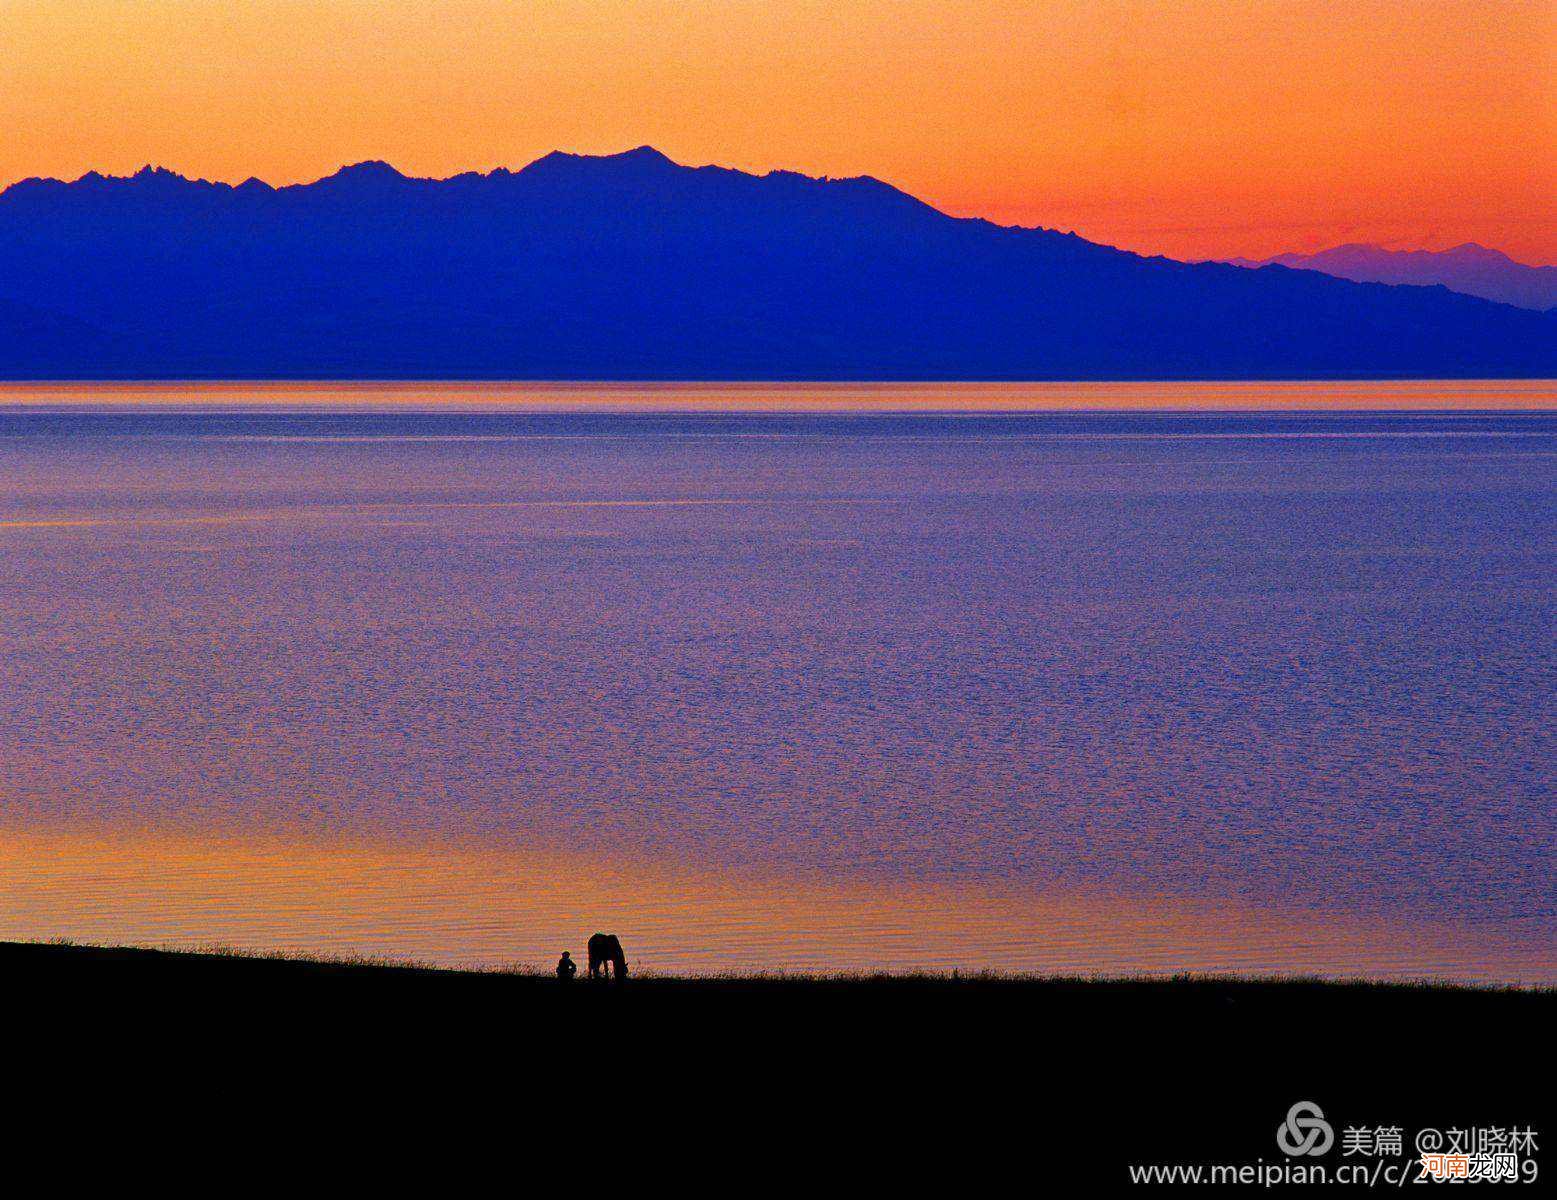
(811, 678)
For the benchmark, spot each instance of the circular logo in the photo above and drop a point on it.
(1305, 1131)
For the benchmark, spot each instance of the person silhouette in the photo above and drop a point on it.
(565, 968)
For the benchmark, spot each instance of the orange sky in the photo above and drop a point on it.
(1189, 127)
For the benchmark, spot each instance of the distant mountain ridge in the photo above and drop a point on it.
(1472, 269)
(630, 266)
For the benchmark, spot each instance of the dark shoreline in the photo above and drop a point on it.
(865, 1078)
(219, 964)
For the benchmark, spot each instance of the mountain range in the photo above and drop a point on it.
(1471, 269)
(630, 266)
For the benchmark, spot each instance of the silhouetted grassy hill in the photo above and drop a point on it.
(837, 1078)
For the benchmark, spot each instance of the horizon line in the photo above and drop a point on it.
(877, 398)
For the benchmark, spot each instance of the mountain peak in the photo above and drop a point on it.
(370, 179)
(1476, 252)
(643, 154)
(641, 158)
(369, 170)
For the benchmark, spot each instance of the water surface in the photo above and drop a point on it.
(1054, 690)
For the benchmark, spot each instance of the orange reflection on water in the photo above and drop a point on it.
(1483, 394)
(454, 905)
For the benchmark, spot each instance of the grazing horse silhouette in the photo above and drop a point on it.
(604, 948)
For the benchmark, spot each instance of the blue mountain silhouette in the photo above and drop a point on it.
(1469, 268)
(631, 267)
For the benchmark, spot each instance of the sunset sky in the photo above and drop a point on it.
(1187, 127)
